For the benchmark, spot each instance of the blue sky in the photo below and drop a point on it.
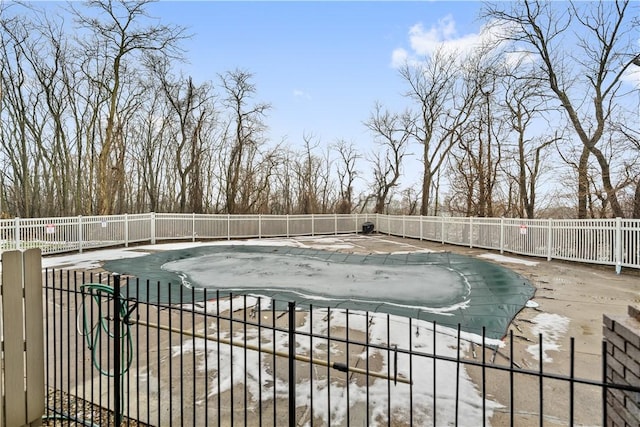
(321, 65)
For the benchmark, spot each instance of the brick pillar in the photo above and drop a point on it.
(622, 334)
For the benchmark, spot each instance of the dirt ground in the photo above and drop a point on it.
(577, 294)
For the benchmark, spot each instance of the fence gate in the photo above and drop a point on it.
(21, 324)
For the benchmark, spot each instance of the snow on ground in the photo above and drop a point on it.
(94, 258)
(381, 394)
(90, 259)
(552, 327)
(509, 260)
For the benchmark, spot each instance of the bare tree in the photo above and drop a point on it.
(118, 32)
(585, 79)
(347, 174)
(245, 136)
(632, 135)
(283, 186)
(151, 151)
(525, 103)
(392, 132)
(308, 169)
(194, 110)
(433, 86)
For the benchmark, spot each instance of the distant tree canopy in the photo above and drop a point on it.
(94, 119)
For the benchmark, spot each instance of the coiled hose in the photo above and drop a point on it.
(93, 332)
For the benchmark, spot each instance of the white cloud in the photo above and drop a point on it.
(297, 93)
(444, 36)
(399, 57)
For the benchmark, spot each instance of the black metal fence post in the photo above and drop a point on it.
(604, 383)
(116, 350)
(292, 364)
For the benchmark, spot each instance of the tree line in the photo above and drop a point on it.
(95, 120)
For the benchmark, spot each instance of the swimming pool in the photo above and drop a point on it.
(447, 288)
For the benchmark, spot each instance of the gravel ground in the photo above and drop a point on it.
(66, 410)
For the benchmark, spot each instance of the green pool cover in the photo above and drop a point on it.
(447, 288)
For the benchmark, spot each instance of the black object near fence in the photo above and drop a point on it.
(247, 360)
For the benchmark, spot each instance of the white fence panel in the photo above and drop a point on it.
(210, 226)
(244, 226)
(584, 240)
(300, 225)
(102, 231)
(173, 226)
(525, 236)
(7, 235)
(411, 226)
(630, 242)
(389, 224)
(324, 224)
(457, 231)
(432, 228)
(139, 228)
(346, 223)
(485, 232)
(51, 235)
(605, 241)
(273, 225)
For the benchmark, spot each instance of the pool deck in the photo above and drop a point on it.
(581, 293)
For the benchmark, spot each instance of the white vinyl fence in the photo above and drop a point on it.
(599, 241)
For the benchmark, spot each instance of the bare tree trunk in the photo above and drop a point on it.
(601, 56)
(636, 202)
(583, 183)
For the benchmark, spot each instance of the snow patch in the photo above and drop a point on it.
(418, 336)
(509, 260)
(552, 327)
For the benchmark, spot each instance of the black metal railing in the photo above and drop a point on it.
(115, 358)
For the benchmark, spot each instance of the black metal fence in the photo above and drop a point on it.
(227, 360)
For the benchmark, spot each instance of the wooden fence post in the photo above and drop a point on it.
(22, 374)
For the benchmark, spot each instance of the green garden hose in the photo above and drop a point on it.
(93, 332)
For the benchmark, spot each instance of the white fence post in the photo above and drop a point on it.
(228, 227)
(17, 232)
(126, 230)
(550, 240)
(502, 235)
(335, 224)
(442, 229)
(152, 227)
(259, 226)
(80, 236)
(287, 225)
(313, 225)
(471, 232)
(193, 227)
(618, 245)
(421, 227)
(404, 233)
